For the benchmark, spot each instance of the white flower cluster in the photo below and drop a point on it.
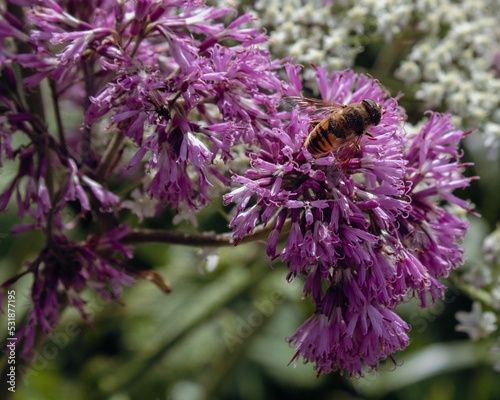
(302, 31)
(330, 32)
(453, 63)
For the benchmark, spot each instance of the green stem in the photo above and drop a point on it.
(86, 152)
(137, 43)
(473, 292)
(57, 112)
(109, 158)
(196, 239)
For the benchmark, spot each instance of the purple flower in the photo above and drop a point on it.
(184, 101)
(138, 87)
(431, 233)
(350, 341)
(201, 98)
(34, 199)
(364, 236)
(65, 268)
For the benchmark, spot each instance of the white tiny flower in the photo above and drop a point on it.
(388, 25)
(290, 28)
(337, 63)
(356, 18)
(141, 205)
(208, 260)
(491, 246)
(315, 56)
(444, 52)
(261, 5)
(298, 48)
(479, 113)
(371, 4)
(430, 24)
(409, 71)
(423, 51)
(426, 6)
(185, 214)
(432, 70)
(334, 40)
(433, 93)
(274, 15)
(458, 101)
(456, 120)
(278, 38)
(477, 324)
(289, 12)
(478, 276)
(310, 13)
(452, 80)
(461, 31)
(481, 43)
(495, 297)
(455, 15)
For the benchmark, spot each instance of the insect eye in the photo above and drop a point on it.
(374, 109)
(376, 115)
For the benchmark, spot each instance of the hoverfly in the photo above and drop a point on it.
(341, 130)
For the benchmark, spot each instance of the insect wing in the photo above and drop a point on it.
(314, 106)
(345, 150)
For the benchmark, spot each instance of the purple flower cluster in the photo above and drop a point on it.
(198, 100)
(164, 90)
(138, 88)
(364, 237)
(68, 267)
